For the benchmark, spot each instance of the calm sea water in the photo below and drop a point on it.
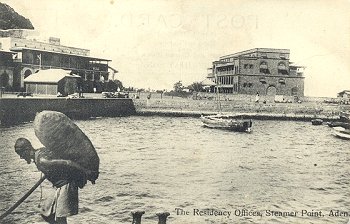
(163, 164)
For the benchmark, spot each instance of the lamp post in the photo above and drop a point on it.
(1, 91)
(39, 57)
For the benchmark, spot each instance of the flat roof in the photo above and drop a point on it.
(47, 43)
(57, 52)
(8, 52)
(265, 50)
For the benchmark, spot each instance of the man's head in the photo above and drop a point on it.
(24, 149)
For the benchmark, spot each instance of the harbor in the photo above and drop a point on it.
(279, 166)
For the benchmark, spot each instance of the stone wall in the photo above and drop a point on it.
(240, 104)
(17, 110)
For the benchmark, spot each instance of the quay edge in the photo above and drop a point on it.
(19, 110)
(256, 116)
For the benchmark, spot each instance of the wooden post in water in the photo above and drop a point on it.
(136, 217)
(162, 217)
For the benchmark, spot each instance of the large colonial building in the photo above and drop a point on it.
(30, 55)
(265, 71)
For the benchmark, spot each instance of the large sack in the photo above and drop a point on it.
(64, 140)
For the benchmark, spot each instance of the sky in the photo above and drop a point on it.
(155, 43)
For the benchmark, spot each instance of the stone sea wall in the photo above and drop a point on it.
(17, 110)
(308, 110)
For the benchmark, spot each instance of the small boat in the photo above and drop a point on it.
(339, 124)
(228, 122)
(344, 116)
(317, 122)
(341, 132)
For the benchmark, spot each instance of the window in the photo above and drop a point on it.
(282, 69)
(262, 80)
(263, 68)
(251, 66)
(282, 81)
(282, 72)
(247, 85)
(294, 91)
(245, 66)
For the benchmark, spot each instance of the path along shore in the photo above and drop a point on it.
(304, 111)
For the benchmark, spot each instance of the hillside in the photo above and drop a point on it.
(9, 19)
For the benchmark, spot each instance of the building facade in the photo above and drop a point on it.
(6, 69)
(32, 55)
(266, 71)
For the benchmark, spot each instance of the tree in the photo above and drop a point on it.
(119, 84)
(196, 86)
(112, 86)
(178, 87)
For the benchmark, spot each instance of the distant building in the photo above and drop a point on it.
(344, 94)
(32, 55)
(266, 71)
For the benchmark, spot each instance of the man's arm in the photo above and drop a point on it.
(67, 163)
(79, 174)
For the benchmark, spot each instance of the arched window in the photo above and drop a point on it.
(294, 91)
(271, 90)
(263, 68)
(27, 73)
(281, 65)
(282, 68)
(282, 81)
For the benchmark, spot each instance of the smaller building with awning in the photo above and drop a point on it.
(52, 82)
(208, 85)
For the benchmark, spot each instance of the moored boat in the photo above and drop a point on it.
(341, 132)
(339, 124)
(344, 116)
(228, 122)
(317, 122)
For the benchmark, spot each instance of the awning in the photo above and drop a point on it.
(208, 82)
(282, 67)
(283, 71)
(262, 80)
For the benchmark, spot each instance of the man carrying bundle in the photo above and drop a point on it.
(64, 202)
(68, 160)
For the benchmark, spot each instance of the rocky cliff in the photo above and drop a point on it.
(9, 19)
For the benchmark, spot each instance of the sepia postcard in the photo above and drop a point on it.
(180, 112)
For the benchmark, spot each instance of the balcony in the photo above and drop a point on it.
(224, 64)
(232, 72)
